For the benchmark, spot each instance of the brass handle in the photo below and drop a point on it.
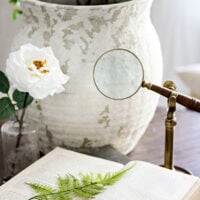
(187, 101)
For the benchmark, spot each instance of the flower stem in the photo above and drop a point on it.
(16, 116)
(21, 120)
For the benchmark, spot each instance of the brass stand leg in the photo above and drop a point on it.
(170, 123)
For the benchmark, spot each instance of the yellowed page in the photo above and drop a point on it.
(150, 182)
(46, 170)
(144, 182)
(194, 193)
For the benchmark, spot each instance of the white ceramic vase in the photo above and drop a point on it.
(81, 117)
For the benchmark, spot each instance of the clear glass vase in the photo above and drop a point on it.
(16, 157)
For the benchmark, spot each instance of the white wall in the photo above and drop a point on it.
(8, 28)
(178, 25)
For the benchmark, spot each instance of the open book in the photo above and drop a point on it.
(144, 182)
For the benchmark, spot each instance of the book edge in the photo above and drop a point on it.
(194, 192)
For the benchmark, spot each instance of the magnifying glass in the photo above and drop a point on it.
(119, 74)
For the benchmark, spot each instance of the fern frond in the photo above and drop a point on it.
(60, 195)
(112, 178)
(41, 189)
(93, 190)
(66, 183)
(86, 186)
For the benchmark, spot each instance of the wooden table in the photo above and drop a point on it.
(186, 144)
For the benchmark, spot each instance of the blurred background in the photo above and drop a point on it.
(177, 23)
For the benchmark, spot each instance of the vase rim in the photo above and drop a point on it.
(38, 2)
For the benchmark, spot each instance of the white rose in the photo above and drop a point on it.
(36, 71)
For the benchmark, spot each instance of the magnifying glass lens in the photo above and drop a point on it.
(118, 74)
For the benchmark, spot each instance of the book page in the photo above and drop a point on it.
(194, 192)
(150, 182)
(46, 171)
(144, 182)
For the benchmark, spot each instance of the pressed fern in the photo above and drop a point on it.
(85, 187)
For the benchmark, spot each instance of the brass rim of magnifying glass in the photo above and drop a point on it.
(118, 49)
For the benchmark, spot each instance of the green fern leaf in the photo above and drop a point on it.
(76, 182)
(86, 186)
(93, 190)
(110, 179)
(82, 194)
(86, 178)
(61, 195)
(65, 183)
(99, 177)
(41, 189)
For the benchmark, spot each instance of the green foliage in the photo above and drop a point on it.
(86, 186)
(19, 97)
(4, 83)
(16, 10)
(42, 189)
(7, 109)
(17, 2)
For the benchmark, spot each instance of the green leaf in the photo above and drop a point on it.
(13, 1)
(7, 109)
(42, 189)
(110, 179)
(19, 97)
(4, 83)
(16, 12)
(87, 186)
(66, 183)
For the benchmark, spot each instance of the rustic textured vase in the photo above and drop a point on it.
(81, 117)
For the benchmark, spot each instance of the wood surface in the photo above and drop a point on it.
(186, 141)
